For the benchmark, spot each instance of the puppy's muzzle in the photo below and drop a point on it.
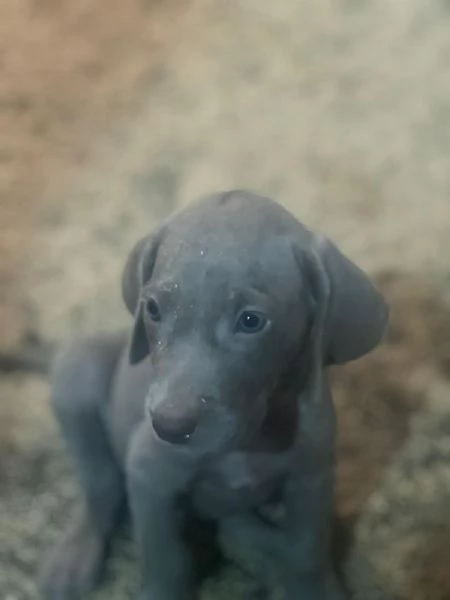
(175, 424)
(174, 431)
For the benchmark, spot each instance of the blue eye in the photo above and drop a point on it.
(153, 309)
(251, 322)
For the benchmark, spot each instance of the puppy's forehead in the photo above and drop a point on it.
(238, 215)
(245, 240)
(210, 253)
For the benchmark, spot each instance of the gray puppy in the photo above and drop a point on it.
(218, 405)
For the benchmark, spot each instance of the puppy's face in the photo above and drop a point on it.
(224, 296)
(223, 319)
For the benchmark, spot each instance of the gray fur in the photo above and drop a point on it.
(193, 418)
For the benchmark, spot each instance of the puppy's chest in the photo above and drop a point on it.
(237, 481)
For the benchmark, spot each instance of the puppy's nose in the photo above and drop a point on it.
(175, 430)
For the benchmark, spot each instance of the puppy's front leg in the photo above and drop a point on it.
(308, 572)
(157, 474)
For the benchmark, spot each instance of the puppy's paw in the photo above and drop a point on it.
(74, 567)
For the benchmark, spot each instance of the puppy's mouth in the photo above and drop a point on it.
(209, 426)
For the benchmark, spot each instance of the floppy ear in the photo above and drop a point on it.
(139, 345)
(356, 314)
(137, 272)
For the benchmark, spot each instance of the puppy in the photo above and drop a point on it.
(217, 406)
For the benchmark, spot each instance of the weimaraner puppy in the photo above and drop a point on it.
(218, 404)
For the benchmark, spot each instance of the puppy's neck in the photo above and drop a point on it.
(278, 428)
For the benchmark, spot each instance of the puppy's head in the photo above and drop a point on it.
(227, 295)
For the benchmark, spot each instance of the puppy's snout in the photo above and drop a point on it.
(176, 424)
(174, 430)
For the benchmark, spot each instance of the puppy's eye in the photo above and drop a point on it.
(251, 322)
(152, 309)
